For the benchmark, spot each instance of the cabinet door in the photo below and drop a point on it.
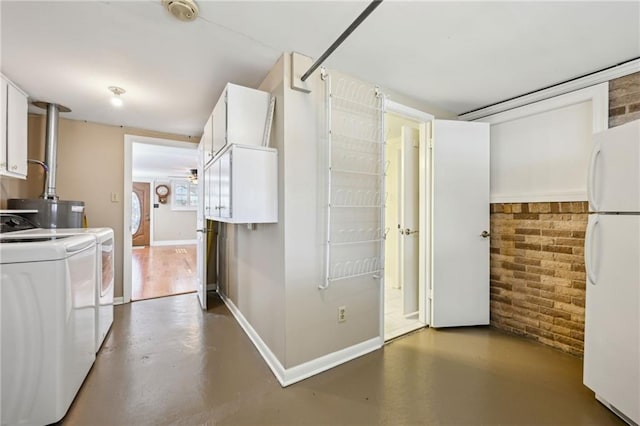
(16, 132)
(220, 124)
(226, 200)
(207, 140)
(206, 193)
(3, 127)
(214, 189)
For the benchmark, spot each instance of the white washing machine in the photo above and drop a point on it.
(105, 269)
(48, 309)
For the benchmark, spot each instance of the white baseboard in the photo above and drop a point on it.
(174, 243)
(289, 376)
(118, 300)
(326, 362)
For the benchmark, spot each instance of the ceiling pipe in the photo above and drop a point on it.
(372, 6)
(51, 146)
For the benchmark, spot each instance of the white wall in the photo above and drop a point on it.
(252, 261)
(540, 152)
(171, 225)
(272, 273)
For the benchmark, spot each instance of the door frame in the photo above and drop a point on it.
(424, 119)
(129, 140)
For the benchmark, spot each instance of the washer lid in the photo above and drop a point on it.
(23, 249)
(101, 234)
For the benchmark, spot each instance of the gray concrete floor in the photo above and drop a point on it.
(167, 362)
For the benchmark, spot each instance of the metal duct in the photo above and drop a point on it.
(51, 146)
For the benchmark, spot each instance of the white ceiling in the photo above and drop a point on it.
(157, 161)
(454, 56)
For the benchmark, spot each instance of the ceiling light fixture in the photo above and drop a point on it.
(184, 10)
(116, 100)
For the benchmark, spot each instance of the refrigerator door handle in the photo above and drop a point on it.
(591, 180)
(588, 250)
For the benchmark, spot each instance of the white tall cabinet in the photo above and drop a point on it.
(13, 131)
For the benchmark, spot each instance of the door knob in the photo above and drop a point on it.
(408, 231)
(485, 234)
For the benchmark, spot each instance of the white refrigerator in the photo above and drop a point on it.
(612, 259)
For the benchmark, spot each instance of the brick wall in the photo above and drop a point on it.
(537, 272)
(624, 99)
(537, 264)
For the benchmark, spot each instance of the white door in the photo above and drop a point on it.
(612, 319)
(409, 220)
(201, 228)
(459, 217)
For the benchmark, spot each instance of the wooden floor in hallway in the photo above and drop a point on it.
(160, 271)
(166, 361)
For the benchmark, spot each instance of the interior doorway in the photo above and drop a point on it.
(405, 303)
(402, 218)
(159, 244)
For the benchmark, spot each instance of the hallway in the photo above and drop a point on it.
(160, 271)
(167, 362)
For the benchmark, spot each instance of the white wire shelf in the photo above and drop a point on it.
(354, 172)
(348, 243)
(349, 206)
(362, 274)
(356, 139)
(376, 108)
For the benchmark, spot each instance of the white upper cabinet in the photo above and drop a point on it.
(243, 185)
(241, 116)
(207, 140)
(13, 131)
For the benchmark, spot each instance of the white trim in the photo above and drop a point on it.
(129, 140)
(540, 198)
(405, 111)
(174, 242)
(598, 95)
(424, 119)
(269, 357)
(118, 300)
(570, 86)
(326, 362)
(289, 376)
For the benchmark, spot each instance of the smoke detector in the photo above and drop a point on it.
(184, 10)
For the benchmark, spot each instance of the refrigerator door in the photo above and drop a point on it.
(612, 320)
(614, 170)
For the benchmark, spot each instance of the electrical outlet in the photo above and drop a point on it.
(342, 313)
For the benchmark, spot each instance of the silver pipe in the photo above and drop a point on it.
(46, 173)
(51, 148)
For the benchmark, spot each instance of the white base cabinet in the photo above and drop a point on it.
(241, 185)
(13, 131)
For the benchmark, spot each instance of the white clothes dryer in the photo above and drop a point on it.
(48, 307)
(105, 270)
